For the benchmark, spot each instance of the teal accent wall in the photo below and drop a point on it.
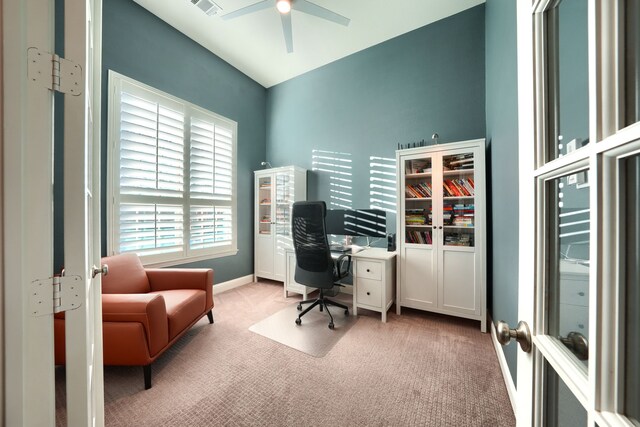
(141, 46)
(343, 122)
(502, 139)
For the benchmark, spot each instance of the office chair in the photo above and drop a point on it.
(314, 266)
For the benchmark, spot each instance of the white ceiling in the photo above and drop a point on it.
(254, 43)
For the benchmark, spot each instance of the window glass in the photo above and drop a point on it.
(568, 245)
(561, 408)
(567, 77)
(632, 59)
(631, 219)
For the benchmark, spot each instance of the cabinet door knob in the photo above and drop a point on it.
(581, 294)
(440, 227)
(368, 271)
(368, 293)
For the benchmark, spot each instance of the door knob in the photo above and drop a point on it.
(521, 334)
(578, 344)
(104, 270)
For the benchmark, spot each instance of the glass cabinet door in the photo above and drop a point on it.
(458, 193)
(284, 199)
(264, 207)
(418, 212)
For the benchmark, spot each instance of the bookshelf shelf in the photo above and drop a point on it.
(441, 229)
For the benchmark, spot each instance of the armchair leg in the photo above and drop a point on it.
(210, 316)
(147, 376)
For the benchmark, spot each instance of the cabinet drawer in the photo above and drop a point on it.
(369, 270)
(369, 292)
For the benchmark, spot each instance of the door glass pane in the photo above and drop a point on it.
(458, 208)
(567, 77)
(568, 275)
(418, 198)
(632, 59)
(284, 199)
(561, 408)
(632, 288)
(264, 207)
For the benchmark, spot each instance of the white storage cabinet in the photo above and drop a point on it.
(275, 191)
(441, 229)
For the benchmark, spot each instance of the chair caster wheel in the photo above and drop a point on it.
(331, 325)
(298, 321)
(299, 307)
(346, 312)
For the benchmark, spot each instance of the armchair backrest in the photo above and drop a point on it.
(126, 275)
(314, 265)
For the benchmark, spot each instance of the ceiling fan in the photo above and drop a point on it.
(285, 7)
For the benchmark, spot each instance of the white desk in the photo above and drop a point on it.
(373, 280)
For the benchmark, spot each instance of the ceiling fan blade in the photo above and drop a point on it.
(319, 11)
(286, 30)
(264, 4)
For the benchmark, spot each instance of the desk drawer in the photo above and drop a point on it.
(369, 270)
(369, 292)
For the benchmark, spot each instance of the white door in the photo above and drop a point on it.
(83, 325)
(28, 35)
(579, 142)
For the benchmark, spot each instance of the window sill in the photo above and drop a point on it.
(189, 260)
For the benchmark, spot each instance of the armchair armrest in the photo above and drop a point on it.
(147, 309)
(164, 279)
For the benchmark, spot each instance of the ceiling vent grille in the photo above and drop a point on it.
(207, 6)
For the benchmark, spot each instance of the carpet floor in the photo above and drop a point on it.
(418, 369)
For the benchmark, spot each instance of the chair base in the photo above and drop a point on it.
(324, 304)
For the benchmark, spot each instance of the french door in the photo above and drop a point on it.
(579, 281)
(29, 78)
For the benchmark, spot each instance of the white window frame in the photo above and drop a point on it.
(118, 82)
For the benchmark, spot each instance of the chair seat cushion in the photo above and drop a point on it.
(183, 306)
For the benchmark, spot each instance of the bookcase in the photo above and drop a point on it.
(275, 191)
(441, 229)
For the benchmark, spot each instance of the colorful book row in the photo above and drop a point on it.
(422, 237)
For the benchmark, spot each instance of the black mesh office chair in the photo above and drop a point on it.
(314, 266)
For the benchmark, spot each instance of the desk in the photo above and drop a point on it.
(373, 280)
(373, 272)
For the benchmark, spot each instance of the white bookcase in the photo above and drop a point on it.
(441, 230)
(275, 191)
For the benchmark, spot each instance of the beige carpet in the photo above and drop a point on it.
(313, 335)
(419, 369)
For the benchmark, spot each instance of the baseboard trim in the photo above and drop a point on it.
(502, 361)
(232, 284)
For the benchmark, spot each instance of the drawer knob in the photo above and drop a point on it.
(368, 293)
(368, 271)
(581, 294)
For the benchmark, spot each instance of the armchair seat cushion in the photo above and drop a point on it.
(183, 306)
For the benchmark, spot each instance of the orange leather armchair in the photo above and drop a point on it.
(144, 311)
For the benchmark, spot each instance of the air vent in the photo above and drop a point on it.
(207, 6)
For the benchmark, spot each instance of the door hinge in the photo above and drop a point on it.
(53, 72)
(55, 294)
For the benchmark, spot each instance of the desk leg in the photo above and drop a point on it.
(355, 306)
(384, 316)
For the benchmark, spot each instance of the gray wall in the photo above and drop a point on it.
(502, 139)
(356, 110)
(141, 46)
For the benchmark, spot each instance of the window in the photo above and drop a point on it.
(171, 177)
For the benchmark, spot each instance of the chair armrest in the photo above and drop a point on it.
(341, 272)
(147, 309)
(164, 279)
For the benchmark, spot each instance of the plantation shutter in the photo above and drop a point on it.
(211, 167)
(152, 165)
